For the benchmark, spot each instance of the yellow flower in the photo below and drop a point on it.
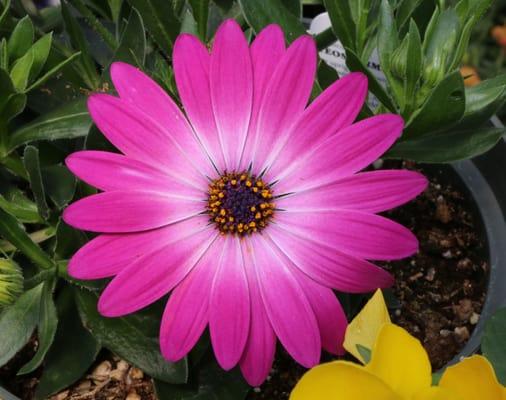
(473, 378)
(399, 368)
(365, 327)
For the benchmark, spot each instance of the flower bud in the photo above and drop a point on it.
(398, 63)
(11, 282)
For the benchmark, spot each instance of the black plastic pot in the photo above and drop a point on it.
(485, 177)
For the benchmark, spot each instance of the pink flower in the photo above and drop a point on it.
(250, 208)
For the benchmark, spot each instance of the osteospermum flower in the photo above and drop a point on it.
(249, 206)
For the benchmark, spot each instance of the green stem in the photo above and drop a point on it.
(37, 236)
(94, 22)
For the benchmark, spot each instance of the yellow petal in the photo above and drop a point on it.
(400, 361)
(341, 380)
(473, 378)
(436, 393)
(366, 325)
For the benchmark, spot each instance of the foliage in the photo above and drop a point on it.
(52, 58)
(421, 45)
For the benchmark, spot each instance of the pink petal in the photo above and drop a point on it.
(266, 51)
(187, 312)
(136, 88)
(231, 80)
(329, 314)
(373, 192)
(139, 136)
(336, 108)
(229, 314)
(258, 355)
(328, 266)
(129, 211)
(191, 69)
(355, 233)
(108, 254)
(341, 155)
(111, 171)
(285, 97)
(153, 275)
(289, 311)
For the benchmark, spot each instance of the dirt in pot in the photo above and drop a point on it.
(439, 294)
(441, 290)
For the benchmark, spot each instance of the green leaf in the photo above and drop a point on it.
(325, 38)
(32, 166)
(364, 352)
(200, 10)
(18, 205)
(5, 12)
(60, 184)
(40, 51)
(6, 88)
(21, 71)
(294, 6)
(436, 377)
(326, 75)
(132, 46)
(405, 10)
(444, 107)
(414, 60)
(127, 338)
(439, 44)
(21, 38)
(78, 41)
(212, 383)
(53, 71)
(483, 101)
(18, 322)
(4, 56)
(342, 21)
(493, 344)
(260, 13)
(446, 147)
(67, 122)
(73, 350)
(388, 40)
(46, 328)
(68, 240)
(355, 64)
(15, 104)
(13, 231)
(160, 21)
(115, 7)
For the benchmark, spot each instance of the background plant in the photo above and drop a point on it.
(52, 58)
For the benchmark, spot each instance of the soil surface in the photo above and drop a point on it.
(438, 297)
(439, 292)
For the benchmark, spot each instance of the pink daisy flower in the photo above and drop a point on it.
(249, 207)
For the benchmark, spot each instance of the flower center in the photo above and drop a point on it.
(240, 203)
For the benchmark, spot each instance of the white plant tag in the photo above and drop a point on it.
(335, 56)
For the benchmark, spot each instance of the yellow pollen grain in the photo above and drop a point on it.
(247, 190)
